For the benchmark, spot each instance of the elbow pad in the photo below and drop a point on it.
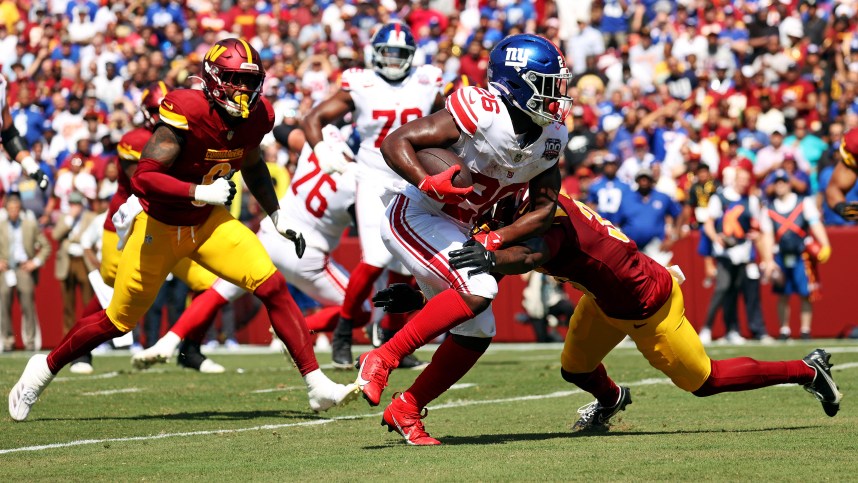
(13, 143)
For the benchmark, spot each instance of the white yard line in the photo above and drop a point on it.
(456, 404)
(317, 422)
(462, 386)
(278, 389)
(112, 391)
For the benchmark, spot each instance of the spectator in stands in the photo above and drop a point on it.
(74, 180)
(793, 226)
(607, 192)
(23, 249)
(733, 227)
(71, 268)
(649, 218)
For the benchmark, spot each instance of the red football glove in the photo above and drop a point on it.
(440, 187)
(491, 240)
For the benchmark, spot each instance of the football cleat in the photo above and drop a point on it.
(373, 372)
(81, 368)
(407, 420)
(328, 395)
(26, 391)
(341, 345)
(412, 362)
(823, 386)
(190, 357)
(595, 417)
(160, 353)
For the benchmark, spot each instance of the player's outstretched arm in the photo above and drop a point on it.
(256, 176)
(16, 147)
(329, 111)
(842, 180)
(514, 260)
(544, 190)
(399, 148)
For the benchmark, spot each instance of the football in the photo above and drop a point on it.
(437, 160)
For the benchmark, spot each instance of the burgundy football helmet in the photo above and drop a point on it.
(150, 102)
(232, 76)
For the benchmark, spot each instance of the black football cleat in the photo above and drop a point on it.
(596, 418)
(190, 357)
(341, 345)
(823, 386)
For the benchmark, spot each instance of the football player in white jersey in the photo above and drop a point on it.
(317, 202)
(14, 144)
(381, 99)
(510, 137)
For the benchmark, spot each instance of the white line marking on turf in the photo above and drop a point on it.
(106, 375)
(112, 391)
(462, 386)
(317, 422)
(846, 365)
(277, 389)
(457, 404)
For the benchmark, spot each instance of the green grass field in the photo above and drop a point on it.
(509, 419)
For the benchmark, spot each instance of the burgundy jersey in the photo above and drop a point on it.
(212, 147)
(129, 149)
(594, 256)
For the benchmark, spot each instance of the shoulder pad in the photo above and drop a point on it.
(472, 108)
(429, 74)
(178, 105)
(351, 78)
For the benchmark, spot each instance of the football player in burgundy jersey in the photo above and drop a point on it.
(628, 293)
(508, 136)
(844, 177)
(191, 273)
(182, 181)
(381, 100)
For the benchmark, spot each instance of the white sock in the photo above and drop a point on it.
(170, 341)
(316, 379)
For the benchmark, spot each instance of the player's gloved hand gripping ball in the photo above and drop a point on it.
(297, 238)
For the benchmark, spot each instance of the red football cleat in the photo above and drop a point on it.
(407, 420)
(373, 372)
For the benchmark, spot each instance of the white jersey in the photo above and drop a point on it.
(317, 204)
(381, 107)
(489, 145)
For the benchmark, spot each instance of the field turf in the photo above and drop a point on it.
(507, 420)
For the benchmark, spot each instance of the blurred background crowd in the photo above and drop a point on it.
(671, 96)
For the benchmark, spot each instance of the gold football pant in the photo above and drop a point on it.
(666, 339)
(222, 245)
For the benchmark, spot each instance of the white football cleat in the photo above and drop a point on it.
(81, 368)
(209, 366)
(326, 396)
(26, 391)
(160, 353)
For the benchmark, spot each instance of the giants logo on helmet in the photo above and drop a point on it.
(516, 57)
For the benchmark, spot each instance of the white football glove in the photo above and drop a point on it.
(31, 168)
(297, 238)
(220, 192)
(124, 217)
(330, 157)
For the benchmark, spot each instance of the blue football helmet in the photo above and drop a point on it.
(531, 73)
(393, 48)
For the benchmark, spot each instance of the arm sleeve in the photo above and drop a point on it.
(151, 180)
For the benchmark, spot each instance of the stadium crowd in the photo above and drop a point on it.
(671, 97)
